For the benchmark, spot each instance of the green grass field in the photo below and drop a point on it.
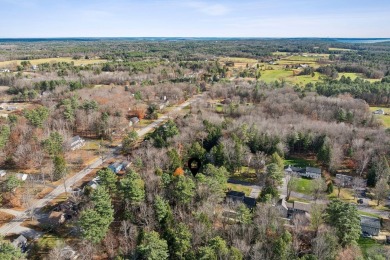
(299, 162)
(367, 243)
(241, 188)
(304, 186)
(63, 59)
(385, 118)
(368, 214)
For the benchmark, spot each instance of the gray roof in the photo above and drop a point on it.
(313, 170)
(370, 222)
(19, 241)
(76, 139)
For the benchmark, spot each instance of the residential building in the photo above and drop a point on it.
(20, 242)
(237, 196)
(370, 225)
(308, 172)
(116, 167)
(344, 180)
(379, 112)
(289, 209)
(133, 121)
(76, 143)
(21, 176)
(2, 173)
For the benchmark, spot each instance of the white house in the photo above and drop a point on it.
(379, 112)
(309, 172)
(76, 143)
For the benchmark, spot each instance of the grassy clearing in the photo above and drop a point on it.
(299, 162)
(245, 175)
(366, 243)
(345, 195)
(338, 49)
(272, 75)
(49, 60)
(368, 214)
(385, 118)
(304, 186)
(241, 188)
(238, 60)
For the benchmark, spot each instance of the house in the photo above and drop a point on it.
(20, 242)
(116, 167)
(345, 180)
(379, 112)
(308, 172)
(133, 121)
(76, 142)
(4, 70)
(297, 207)
(34, 67)
(289, 209)
(239, 197)
(370, 226)
(21, 176)
(2, 173)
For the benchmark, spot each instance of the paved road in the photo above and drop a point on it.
(14, 226)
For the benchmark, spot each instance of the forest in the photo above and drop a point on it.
(246, 109)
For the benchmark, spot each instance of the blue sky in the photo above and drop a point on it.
(193, 18)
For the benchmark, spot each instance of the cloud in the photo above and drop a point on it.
(210, 9)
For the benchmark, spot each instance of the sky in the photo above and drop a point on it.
(193, 18)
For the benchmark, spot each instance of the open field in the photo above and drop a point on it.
(304, 186)
(299, 161)
(238, 60)
(385, 118)
(338, 49)
(238, 187)
(353, 76)
(49, 60)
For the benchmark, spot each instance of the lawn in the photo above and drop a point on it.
(345, 194)
(304, 186)
(245, 175)
(385, 118)
(299, 162)
(368, 214)
(241, 188)
(367, 243)
(272, 75)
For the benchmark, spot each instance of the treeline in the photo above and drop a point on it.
(376, 93)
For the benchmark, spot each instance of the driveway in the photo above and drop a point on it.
(256, 189)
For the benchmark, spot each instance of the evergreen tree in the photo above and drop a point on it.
(152, 247)
(132, 188)
(108, 179)
(345, 218)
(9, 251)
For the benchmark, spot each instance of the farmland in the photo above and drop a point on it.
(77, 62)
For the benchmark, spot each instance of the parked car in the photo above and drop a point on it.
(360, 201)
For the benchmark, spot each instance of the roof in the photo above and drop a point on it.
(2, 173)
(299, 206)
(370, 222)
(233, 193)
(134, 119)
(19, 240)
(313, 170)
(250, 202)
(76, 139)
